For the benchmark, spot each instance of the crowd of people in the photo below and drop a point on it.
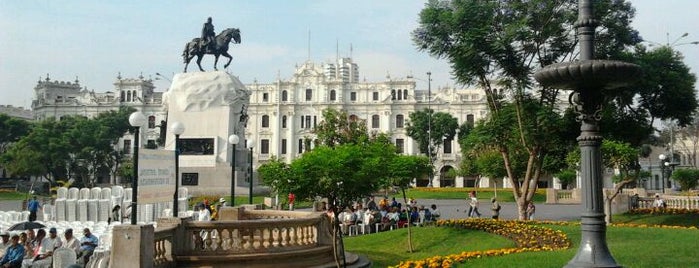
(367, 216)
(35, 248)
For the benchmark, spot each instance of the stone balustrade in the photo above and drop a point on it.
(556, 196)
(672, 201)
(241, 238)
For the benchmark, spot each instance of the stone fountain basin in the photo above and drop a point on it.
(588, 75)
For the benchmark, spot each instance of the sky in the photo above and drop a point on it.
(96, 40)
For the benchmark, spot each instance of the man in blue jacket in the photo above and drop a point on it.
(13, 255)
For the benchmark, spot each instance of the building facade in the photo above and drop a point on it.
(55, 99)
(284, 112)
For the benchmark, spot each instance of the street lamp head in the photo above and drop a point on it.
(177, 128)
(662, 157)
(667, 164)
(233, 139)
(251, 143)
(137, 119)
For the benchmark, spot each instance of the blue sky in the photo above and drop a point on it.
(95, 40)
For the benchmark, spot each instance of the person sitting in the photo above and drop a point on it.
(349, 219)
(42, 256)
(70, 241)
(14, 254)
(4, 242)
(87, 246)
(383, 203)
(394, 203)
(426, 214)
(414, 215)
(435, 212)
(659, 202)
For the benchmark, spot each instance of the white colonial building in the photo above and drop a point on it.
(55, 99)
(283, 113)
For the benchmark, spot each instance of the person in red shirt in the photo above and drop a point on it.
(292, 198)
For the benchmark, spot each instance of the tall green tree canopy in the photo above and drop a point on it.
(498, 45)
(73, 147)
(426, 124)
(11, 130)
(666, 90)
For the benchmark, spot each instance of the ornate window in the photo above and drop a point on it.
(400, 144)
(264, 146)
(285, 95)
(283, 146)
(353, 96)
(151, 121)
(375, 96)
(333, 96)
(399, 121)
(265, 121)
(469, 119)
(309, 94)
(375, 121)
(283, 121)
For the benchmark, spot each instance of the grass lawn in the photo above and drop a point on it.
(504, 195)
(630, 246)
(675, 220)
(12, 195)
(389, 248)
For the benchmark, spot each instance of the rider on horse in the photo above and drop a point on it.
(207, 34)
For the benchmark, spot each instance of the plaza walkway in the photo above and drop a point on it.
(457, 208)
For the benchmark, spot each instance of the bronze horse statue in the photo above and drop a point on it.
(218, 47)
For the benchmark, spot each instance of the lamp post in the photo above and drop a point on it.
(589, 79)
(233, 140)
(429, 127)
(177, 128)
(251, 145)
(136, 120)
(662, 158)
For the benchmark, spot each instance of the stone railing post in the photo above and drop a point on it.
(132, 246)
(551, 196)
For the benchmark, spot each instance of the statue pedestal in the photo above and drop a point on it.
(210, 106)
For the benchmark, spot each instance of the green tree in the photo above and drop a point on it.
(11, 130)
(440, 125)
(666, 90)
(687, 178)
(566, 177)
(338, 128)
(403, 169)
(497, 45)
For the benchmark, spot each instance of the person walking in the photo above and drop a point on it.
(292, 199)
(33, 206)
(473, 205)
(495, 208)
(531, 209)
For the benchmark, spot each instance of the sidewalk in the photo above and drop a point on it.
(457, 209)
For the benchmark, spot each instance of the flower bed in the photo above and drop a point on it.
(527, 237)
(663, 211)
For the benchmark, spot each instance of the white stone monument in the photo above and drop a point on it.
(211, 106)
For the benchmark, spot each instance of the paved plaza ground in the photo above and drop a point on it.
(450, 209)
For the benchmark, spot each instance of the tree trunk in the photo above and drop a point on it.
(410, 234)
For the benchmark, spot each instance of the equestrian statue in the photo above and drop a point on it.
(210, 43)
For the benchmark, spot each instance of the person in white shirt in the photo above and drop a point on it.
(70, 241)
(658, 202)
(204, 214)
(43, 257)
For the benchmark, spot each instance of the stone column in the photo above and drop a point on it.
(132, 246)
